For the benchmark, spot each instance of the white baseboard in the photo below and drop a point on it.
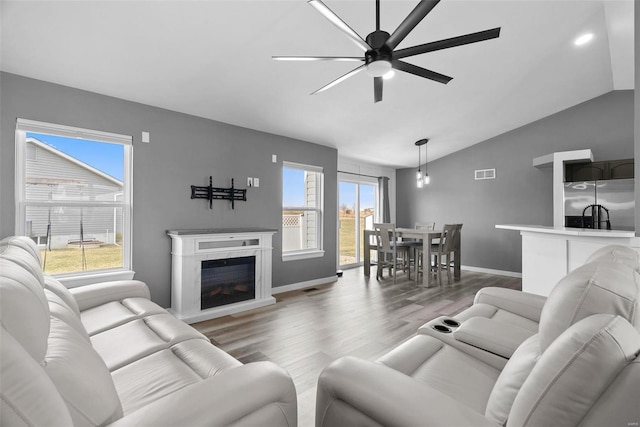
(303, 285)
(491, 271)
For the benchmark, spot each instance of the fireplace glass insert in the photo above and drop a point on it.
(227, 281)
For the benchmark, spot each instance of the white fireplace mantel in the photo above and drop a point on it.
(190, 247)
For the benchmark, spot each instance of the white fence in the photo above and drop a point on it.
(292, 235)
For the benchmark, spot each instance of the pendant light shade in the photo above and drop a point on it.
(421, 180)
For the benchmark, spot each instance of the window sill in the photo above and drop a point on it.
(73, 281)
(298, 255)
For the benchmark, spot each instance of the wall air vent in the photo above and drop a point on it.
(485, 174)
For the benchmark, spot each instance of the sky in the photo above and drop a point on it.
(108, 158)
(347, 195)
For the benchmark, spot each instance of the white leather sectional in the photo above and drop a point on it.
(106, 355)
(512, 359)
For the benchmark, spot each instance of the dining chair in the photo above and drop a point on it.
(416, 246)
(445, 250)
(391, 253)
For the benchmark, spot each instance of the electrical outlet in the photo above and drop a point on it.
(249, 182)
(256, 182)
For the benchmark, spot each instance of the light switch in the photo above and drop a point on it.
(145, 137)
(274, 158)
(256, 182)
(249, 182)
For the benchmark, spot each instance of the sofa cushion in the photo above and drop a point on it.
(166, 371)
(112, 314)
(491, 335)
(599, 287)
(52, 284)
(23, 308)
(29, 398)
(81, 377)
(511, 379)
(618, 254)
(446, 369)
(574, 372)
(60, 310)
(24, 243)
(139, 338)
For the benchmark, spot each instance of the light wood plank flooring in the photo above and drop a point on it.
(307, 329)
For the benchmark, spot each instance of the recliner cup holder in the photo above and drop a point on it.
(451, 322)
(442, 328)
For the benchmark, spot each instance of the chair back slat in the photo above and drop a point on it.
(385, 234)
(448, 238)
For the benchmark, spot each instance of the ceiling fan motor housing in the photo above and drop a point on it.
(378, 58)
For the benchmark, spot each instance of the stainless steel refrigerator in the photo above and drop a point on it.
(615, 196)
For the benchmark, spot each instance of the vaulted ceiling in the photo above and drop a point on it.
(213, 59)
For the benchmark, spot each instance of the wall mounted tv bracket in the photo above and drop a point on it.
(212, 193)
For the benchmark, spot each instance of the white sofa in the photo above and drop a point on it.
(106, 355)
(573, 362)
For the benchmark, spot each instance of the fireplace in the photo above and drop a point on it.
(219, 272)
(227, 281)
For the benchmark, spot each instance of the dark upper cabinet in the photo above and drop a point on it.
(592, 171)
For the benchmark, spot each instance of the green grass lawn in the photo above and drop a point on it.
(347, 237)
(70, 260)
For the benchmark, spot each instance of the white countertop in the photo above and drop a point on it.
(565, 231)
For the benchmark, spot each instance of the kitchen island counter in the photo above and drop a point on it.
(550, 253)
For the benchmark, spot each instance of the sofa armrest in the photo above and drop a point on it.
(517, 302)
(354, 391)
(259, 393)
(101, 293)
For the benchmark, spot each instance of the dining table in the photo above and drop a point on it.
(426, 236)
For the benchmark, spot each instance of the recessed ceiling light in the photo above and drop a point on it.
(583, 39)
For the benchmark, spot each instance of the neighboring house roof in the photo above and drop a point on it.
(71, 159)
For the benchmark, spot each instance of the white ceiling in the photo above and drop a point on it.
(213, 59)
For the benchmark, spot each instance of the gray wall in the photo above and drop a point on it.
(184, 151)
(637, 108)
(521, 193)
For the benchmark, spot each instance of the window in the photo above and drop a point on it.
(73, 198)
(302, 204)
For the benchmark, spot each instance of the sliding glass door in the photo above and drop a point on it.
(356, 209)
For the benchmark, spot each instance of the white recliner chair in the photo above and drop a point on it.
(581, 369)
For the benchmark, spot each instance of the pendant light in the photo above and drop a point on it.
(420, 179)
(426, 177)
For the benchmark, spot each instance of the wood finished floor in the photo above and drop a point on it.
(307, 329)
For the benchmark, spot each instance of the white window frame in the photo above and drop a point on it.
(318, 209)
(23, 126)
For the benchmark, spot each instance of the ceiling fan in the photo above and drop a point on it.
(380, 56)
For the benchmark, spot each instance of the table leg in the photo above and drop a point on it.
(456, 262)
(367, 253)
(426, 261)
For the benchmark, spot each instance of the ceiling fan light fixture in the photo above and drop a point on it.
(389, 74)
(379, 68)
(583, 39)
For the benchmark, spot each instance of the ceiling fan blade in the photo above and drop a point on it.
(377, 89)
(340, 79)
(447, 43)
(419, 71)
(409, 23)
(317, 58)
(342, 26)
